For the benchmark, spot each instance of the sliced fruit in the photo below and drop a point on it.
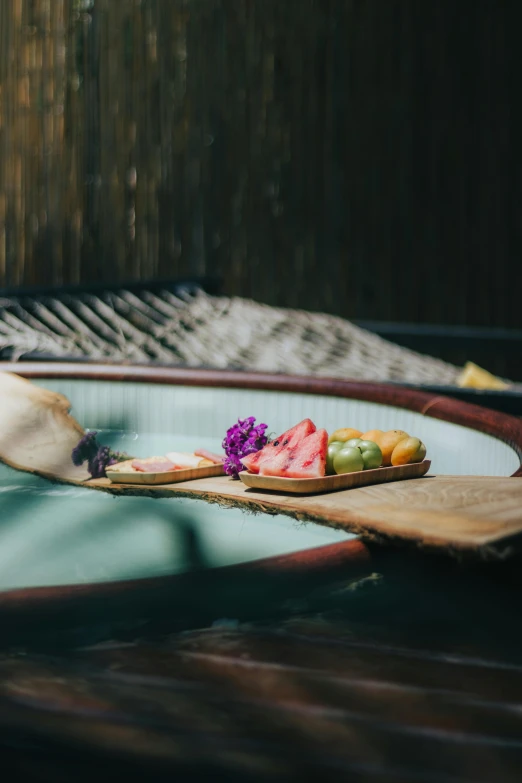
(407, 451)
(252, 462)
(306, 459)
(122, 467)
(209, 456)
(153, 465)
(183, 459)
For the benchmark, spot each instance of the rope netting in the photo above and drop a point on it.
(194, 329)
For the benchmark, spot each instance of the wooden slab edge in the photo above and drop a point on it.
(381, 513)
(373, 513)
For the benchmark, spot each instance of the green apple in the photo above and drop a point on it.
(333, 448)
(370, 451)
(371, 454)
(348, 459)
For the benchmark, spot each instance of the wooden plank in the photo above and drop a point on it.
(477, 514)
(314, 486)
(424, 696)
(154, 479)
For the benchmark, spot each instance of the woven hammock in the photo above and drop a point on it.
(194, 329)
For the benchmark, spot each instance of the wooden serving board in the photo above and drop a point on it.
(315, 486)
(165, 477)
(478, 515)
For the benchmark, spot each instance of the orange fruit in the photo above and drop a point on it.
(388, 442)
(344, 434)
(374, 435)
(408, 450)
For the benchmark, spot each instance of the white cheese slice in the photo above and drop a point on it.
(183, 459)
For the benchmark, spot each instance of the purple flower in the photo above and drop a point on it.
(242, 439)
(100, 461)
(86, 449)
(98, 457)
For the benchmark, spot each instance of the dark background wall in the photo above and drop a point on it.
(360, 157)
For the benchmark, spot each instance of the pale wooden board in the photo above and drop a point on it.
(477, 514)
(166, 477)
(315, 486)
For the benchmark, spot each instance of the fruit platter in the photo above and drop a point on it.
(174, 467)
(119, 468)
(303, 459)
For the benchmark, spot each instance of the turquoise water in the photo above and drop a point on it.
(54, 534)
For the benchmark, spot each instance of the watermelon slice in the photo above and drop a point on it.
(288, 439)
(307, 459)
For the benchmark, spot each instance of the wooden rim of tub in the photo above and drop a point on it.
(351, 558)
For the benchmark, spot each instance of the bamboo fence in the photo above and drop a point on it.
(355, 157)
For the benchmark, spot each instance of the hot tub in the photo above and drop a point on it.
(54, 534)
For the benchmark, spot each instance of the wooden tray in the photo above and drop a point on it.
(165, 477)
(314, 486)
